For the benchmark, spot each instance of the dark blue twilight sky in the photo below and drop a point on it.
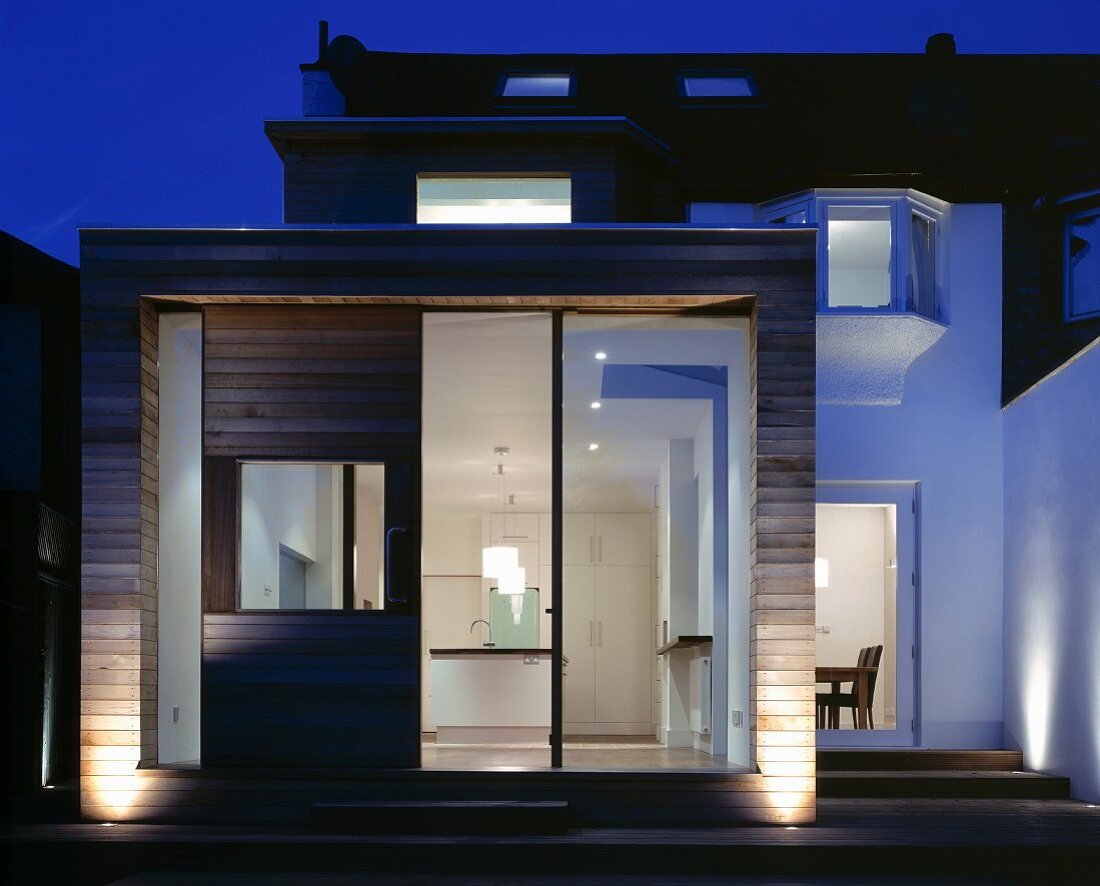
(149, 112)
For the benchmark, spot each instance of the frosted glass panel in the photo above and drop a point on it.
(504, 200)
(859, 249)
(512, 630)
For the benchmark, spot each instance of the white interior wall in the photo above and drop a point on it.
(179, 597)
(1052, 576)
(299, 506)
(704, 485)
(370, 534)
(947, 434)
(853, 606)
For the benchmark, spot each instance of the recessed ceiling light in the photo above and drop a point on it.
(595, 404)
(592, 447)
(600, 355)
(107, 824)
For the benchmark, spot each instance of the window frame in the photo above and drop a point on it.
(903, 204)
(505, 76)
(1068, 314)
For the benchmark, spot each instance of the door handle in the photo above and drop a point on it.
(389, 563)
(599, 548)
(590, 633)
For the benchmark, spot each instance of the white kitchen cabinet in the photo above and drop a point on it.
(579, 683)
(546, 535)
(578, 539)
(511, 528)
(623, 539)
(624, 653)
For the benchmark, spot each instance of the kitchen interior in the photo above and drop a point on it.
(645, 470)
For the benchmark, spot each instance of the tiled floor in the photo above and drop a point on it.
(580, 752)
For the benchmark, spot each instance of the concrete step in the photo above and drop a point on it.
(441, 817)
(943, 784)
(914, 759)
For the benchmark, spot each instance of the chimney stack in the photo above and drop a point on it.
(320, 97)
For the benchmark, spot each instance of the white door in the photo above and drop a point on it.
(578, 639)
(623, 539)
(624, 657)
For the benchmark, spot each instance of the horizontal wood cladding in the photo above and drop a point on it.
(379, 186)
(309, 689)
(295, 381)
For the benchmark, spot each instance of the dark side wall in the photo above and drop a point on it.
(1037, 338)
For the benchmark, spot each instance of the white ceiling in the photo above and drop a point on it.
(487, 383)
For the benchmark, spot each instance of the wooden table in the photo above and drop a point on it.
(849, 674)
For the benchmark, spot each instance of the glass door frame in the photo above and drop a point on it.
(906, 499)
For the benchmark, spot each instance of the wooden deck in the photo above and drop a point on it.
(876, 840)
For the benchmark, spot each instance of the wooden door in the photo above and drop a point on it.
(623, 650)
(286, 384)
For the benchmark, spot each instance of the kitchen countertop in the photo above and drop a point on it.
(490, 650)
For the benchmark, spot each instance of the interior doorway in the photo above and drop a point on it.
(867, 587)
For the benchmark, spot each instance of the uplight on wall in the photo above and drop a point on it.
(496, 562)
(821, 572)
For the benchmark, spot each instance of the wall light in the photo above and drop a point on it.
(821, 572)
(498, 561)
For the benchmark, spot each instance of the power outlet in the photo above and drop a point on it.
(176, 714)
(737, 718)
(267, 591)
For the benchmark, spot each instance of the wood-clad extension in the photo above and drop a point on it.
(766, 273)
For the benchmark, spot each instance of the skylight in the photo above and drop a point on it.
(716, 86)
(537, 85)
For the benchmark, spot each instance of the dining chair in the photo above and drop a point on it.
(829, 703)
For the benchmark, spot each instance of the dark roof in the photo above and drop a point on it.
(979, 123)
(30, 276)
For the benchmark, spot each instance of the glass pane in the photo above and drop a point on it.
(1083, 265)
(922, 266)
(704, 87)
(646, 481)
(295, 529)
(859, 244)
(505, 200)
(541, 85)
(486, 479)
(857, 614)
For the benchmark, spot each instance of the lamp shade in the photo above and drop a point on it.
(513, 582)
(498, 561)
(821, 572)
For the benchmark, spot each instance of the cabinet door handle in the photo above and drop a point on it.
(590, 633)
(591, 548)
(599, 548)
(599, 632)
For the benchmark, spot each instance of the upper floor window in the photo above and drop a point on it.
(536, 85)
(716, 84)
(1082, 265)
(877, 251)
(488, 199)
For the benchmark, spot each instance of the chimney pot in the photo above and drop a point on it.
(322, 42)
(940, 45)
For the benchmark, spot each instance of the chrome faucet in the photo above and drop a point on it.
(489, 626)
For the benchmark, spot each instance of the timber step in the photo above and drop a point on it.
(441, 817)
(947, 784)
(914, 759)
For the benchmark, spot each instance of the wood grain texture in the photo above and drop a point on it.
(278, 691)
(769, 274)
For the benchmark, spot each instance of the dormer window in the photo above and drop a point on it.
(493, 199)
(546, 85)
(716, 85)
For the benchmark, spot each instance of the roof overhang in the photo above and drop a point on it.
(291, 135)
